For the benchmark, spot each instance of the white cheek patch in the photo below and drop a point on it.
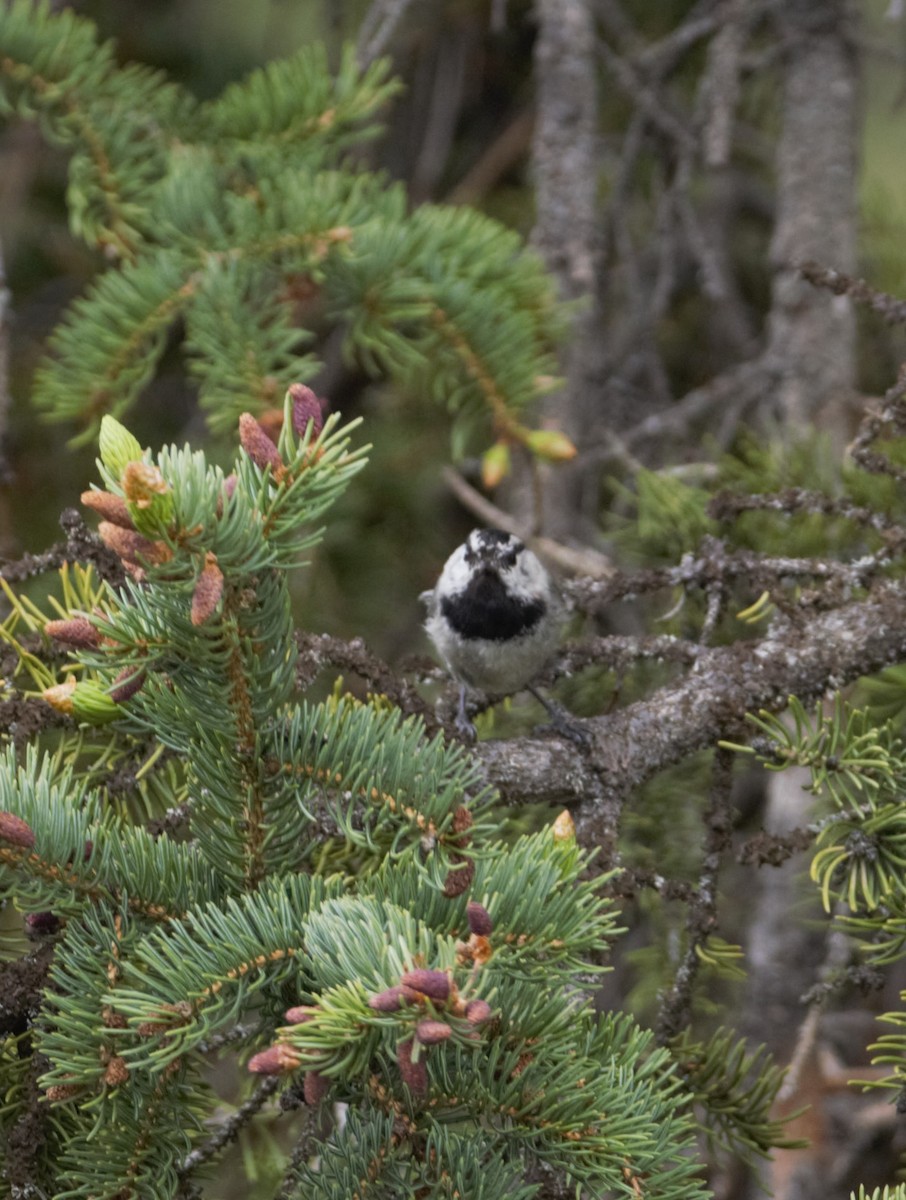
(456, 573)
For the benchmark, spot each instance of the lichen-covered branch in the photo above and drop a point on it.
(824, 651)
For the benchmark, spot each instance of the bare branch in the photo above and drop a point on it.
(891, 308)
(701, 919)
(572, 561)
(378, 27)
(628, 747)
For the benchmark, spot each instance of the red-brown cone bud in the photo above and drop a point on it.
(109, 507)
(413, 1074)
(477, 1012)
(433, 984)
(15, 831)
(429, 1033)
(56, 1093)
(257, 445)
(392, 1000)
(75, 632)
(208, 590)
(315, 1087)
(129, 681)
(459, 879)
(275, 1060)
(41, 924)
(131, 546)
(134, 571)
(116, 1072)
(462, 820)
(299, 1014)
(306, 407)
(479, 919)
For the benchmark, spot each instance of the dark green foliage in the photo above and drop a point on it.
(246, 219)
(737, 1088)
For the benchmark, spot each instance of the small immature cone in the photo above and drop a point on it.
(459, 879)
(130, 546)
(429, 1032)
(16, 832)
(129, 681)
(433, 984)
(477, 1012)
(479, 919)
(278, 1059)
(113, 1019)
(257, 445)
(413, 1074)
(75, 632)
(315, 1087)
(58, 1092)
(109, 507)
(462, 820)
(392, 1000)
(299, 1014)
(134, 571)
(208, 590)
(41, 924)
(116, 1072)
(306, 407)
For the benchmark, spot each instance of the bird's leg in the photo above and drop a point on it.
(464, 726)
(562, 722)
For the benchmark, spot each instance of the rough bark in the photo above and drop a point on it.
(825, 651)
(811, 332)
(565, 165)
(812, 341)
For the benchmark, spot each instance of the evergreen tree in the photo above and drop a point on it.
(205, 868)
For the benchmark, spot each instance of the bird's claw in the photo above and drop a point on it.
(563, 722)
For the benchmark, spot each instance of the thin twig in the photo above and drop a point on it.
(377, 29)
(676, 1007)
(584, 561)
(231, 1128)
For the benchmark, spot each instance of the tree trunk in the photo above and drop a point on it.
(566, 235)
(811, 331)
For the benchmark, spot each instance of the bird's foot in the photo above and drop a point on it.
(463, 724)
(563, 722)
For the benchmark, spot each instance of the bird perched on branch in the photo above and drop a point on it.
(496, 618)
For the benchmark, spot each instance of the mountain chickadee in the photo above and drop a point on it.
(495, 617)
